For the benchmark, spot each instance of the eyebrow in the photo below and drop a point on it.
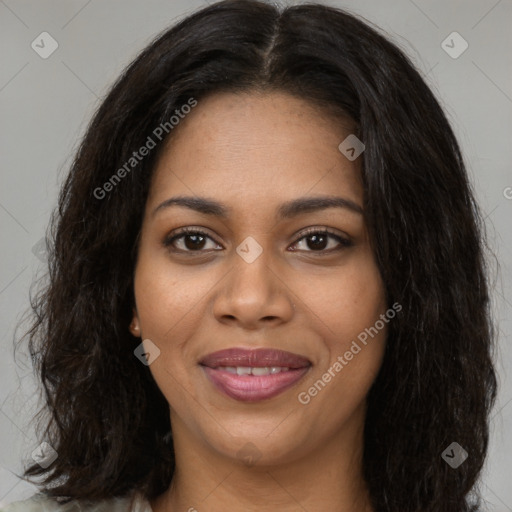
(287, 210)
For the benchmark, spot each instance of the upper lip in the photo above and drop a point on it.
(255, 358)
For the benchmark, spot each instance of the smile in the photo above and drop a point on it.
(254, 375)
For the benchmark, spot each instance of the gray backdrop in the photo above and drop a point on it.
(48, 93)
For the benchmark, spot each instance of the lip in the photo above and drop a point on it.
(253, 388)
(256, 358)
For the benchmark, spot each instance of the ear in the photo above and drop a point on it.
(134, 325)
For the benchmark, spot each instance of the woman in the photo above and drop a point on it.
(267, 284)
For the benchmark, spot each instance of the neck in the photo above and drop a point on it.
(331, 478)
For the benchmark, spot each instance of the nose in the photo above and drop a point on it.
(254, 295)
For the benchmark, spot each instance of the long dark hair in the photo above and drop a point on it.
(107, 419)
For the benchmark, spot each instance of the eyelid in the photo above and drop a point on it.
(189, 230)
(343, 239)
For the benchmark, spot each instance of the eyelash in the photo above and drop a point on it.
(344, 242)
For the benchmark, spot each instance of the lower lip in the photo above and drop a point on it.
(253, 388)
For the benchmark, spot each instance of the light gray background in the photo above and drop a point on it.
(46, 103)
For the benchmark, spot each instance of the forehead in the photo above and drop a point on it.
(256, 149)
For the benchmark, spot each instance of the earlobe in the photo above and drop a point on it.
(134, 325)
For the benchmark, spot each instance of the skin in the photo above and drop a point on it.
(252, 152)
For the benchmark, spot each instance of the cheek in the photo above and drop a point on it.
(167, 297)
(166, 306)
(167, 303)
(349, 306)
(346, 301)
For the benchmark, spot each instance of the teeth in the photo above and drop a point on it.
(278, 369)
(247, 370)
(261, 371)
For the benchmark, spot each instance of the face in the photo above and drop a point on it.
(260, 277)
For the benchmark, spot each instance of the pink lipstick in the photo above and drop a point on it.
(254, 374)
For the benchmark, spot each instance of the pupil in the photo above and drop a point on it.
(322, 239)
(194, 243)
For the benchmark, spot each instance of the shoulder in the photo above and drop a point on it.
(37, 503)
(41, 503)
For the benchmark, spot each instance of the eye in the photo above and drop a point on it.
(319, 239)
(195, 239)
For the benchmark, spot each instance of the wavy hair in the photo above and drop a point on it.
(105, 415)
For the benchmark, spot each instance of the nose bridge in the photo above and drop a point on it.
(253, 289)
(252, 262)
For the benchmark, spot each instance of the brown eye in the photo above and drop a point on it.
(192, 240)
(318, 241)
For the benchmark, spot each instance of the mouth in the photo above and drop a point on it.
(254, 375)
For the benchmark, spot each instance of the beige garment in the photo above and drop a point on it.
(39, 503)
